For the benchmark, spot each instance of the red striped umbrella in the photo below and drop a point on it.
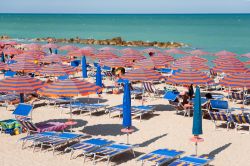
(68, 48)
(69, 88)
(189, 66)
(190, 77)
(57, 70)
(130, 51)
(33, 46)
(246, 55)
(142, 74)
(224, 53)
(116, 62)
(3, 66)
(23, 66)
(192, 58)
(199, 52)
(12, 43)
(50, 45)
(20, 84)
(175, 51)
(75, 53)
(230, 69)
(224, 59)
(150, 64)
(12, 51)
(162, 57)
(54, 58)
(35, 52)
(27, 57)
(111, 49)
(104, 55)
(132, 57)
(236, 80)
(88, 51)
(247, 62)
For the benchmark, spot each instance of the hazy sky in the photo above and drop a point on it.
(124, 6)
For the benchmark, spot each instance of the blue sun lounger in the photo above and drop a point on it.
(192, 161)
(88, 146)
(160, 156)
(23, 111)
(171, 95)
(58, 140)
(220, 105)
(110, 151)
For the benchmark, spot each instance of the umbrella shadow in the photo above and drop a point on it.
(105, 129)
(152, 140)
(218, 150)
(92, 100)
(79, 122)
(162, 107)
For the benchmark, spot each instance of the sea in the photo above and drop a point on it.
(210, 32)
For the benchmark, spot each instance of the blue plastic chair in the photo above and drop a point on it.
(23, 110)
(65, 77)
(9, 62)
(107, 68)
(9, 73)
(171, 95)
(220, 105)
(192, 160)
(165, 70)
(75, 63)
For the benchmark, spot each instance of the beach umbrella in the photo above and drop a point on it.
(84, 67)
(132, 57)
(20, 85)
(130, 51)
(191, 58)
(68, 48)
(2, 57)
(115, 62)
(150, 64)
(189, 66)
(27, 57)
(111, 49)
(175, 51)
(3, 66)
(87, 51)
(142, 75)
(24, 66)
(199, 52)
(197, 119)
(230, 68)
(35, 53)
(225, 53)
(12, 51)
(50, 45)
(105, 55)
(189, 77)
(247, 62)
(162, 57)
(236, 80)
(126, 113)
(246, 55)
(151, 50)
(33, 46)
(57, 70)
(54, 58)
(225, 59)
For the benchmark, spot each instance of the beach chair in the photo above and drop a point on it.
(75, 63)
(65, 77)
(23, 111)
(108, 88)
(139, 111)
(150, 89)
(106, 68)
(88, 146)
(192, 161)
(160, 156)
(220, 117)
(42, 127)
(218, 105)
(236, 96)
(241, 120)
(9, 73)
(110, 151)
(54, 142)
(108, 74)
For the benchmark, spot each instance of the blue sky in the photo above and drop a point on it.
(125, 6)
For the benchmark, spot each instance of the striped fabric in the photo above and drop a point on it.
(3, 66)
(87, 51)
(237, 96)
(224, 53)
(218, 116)
(57, 70)
(23, 66)
(130, 51)
(142, 75)
(50, 45)
(162, 57)
(150, 64)
(68, 48)
(175, 51)
(20, 84)
(236, 81)
(230, 68)
(105, 55)
(132, 57)
(69, 88)
(148, 50)
(148, 87)
(27, 57)
(247, 62)
(189, 65)
(199, 52)
(32, 46)
(240, 119)
(116, 62)
(54, 58)
(189, 77)
(12, 51)
(192, 58)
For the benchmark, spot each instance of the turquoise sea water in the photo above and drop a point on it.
(211, 32)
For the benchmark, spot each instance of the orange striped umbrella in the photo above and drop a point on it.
(162, 57)
(12, 51)
(54, 58)
(111, 49)
(33, 46)
(150, 64)
(116, 62)
(57, 70)
(104, 55)
(236, 80)
(68, 48)
(224, 59)
(142, 74)
(69, 88)
(3, 66)
(129, 51)
(27, 57)
(189, 77)
(175, 51)
(132, 57)
(225, 53)
(233, 68)
(23, 66)
(20, 84)
(199, 52)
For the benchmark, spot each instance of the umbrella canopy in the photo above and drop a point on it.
(199, 52)
(98, 76)
(35, 53)
(115, 62)
(247, 62)
(142, 74)
(129, 51)
(225, 53)
(192, 58)
(84, 67)
(150, 64)
(50, 45)
(132, 57)
(68, 48)
(27, 57)
(111, 49)
(54, 58)
(175, 51)
(197, 118)
(230, 68)
(23, 66)
(236, 80)
(189, 77)
(127, 120)
(33, 46)
(87, 51)
(166, 58)
(57, 70)
(189, 66)
(153, 50)
(12, 51)
(20, 84)
(246, 55)
(3, 66)
(69, 88)
(224, 59)
(105, 55)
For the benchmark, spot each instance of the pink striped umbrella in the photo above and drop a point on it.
(27, 57)
(87, 51)
(150, 64)
(130, 51)
(68, 48)
(110, 49)
(226, 60)
(236, 80)
(247, 62)
(12, 43)
(12, 51)
(191, 65)
(116, 62)
(33, 46)
(199, 52)
(50, 45)
(246, 55)
(54, 58)
(104, 55)
(230, 68)
(57, 70)
(132, 57)
(153, 50)
(225, 53)
(23, 66)
(175, 51)
(192, 58)
(142, 75)
(3, 66)
(163, 57)
(35, 52)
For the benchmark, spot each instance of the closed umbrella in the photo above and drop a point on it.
(84, 67)
(2, 57)
(98, 76)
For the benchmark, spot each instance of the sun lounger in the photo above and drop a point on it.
(241, 120)
(110, 151)
(23, 111)
(150, 89)
(220, 117)
(219, 105)
(88, 146)
(58, 140)
(160, 156)
(192, 161)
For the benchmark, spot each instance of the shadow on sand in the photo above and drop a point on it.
(152, 140)
(218, 150)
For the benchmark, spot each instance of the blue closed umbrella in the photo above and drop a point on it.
(127, 106)
(56, 51)
(98, 76)
(84, 67)
(197, 118)
(21, 98)
(2, 57)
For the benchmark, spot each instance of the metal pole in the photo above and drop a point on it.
(127, 138)
(196, 148)
(70, 107)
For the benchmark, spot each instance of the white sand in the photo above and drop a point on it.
(163, 130)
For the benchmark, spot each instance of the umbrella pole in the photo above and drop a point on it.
(127, 138)
(70, 107)
(196, 148)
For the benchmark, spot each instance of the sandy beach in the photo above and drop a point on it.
(163, 129)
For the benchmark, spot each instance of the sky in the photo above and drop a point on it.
(124, 6)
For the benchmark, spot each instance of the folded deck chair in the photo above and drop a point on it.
(191, 161)
(9, 74)
(58, 140)
(241, 120)
(219, 105)
(110, 151)
(220, 117)
(23, 111)
(88, 146)
(150, 89)
(160, 156)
